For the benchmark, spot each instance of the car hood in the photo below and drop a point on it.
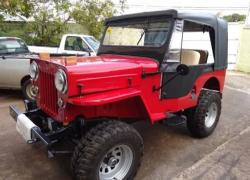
(108, 63)
(105, 72)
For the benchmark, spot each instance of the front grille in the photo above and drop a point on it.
(48, 93)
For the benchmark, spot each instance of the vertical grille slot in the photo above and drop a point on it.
(48, 93)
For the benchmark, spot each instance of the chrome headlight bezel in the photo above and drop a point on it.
(34, 70)
(60, 81)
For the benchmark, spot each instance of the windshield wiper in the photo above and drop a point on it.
(142, 34)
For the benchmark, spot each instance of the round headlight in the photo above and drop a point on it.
(61, 81)
(34, 70)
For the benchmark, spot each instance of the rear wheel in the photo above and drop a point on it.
(111, 150)
(28, 91)
(202, 120)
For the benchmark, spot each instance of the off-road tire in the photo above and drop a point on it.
(89, 153)
(196, 116)
(26, 94)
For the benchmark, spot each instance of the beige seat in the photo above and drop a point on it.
(204, 56)
(190, 57)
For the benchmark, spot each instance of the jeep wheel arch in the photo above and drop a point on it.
(212, 83)
(132, 108)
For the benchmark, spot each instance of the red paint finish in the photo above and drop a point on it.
(104, 73)
(111, 86)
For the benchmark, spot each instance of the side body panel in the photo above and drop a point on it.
(139, 103)
(113, 87)
(12, 71)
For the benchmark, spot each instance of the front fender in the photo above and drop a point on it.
(104, 97)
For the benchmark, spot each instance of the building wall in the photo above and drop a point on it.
(243, 63)
(234, 33)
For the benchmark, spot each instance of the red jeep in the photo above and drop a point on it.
(147, 69)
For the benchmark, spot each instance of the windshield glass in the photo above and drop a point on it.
(92, 42)
(12, 46)
(146, 33)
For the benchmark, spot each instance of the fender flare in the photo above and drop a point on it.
(104, 97)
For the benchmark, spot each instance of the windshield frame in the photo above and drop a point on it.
(141, 21)
(146, 27)
(154, 52)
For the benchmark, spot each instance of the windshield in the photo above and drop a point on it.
(151, 34)
(12, 46)
(92, 42)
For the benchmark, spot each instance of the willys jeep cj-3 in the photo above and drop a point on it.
(143, 71)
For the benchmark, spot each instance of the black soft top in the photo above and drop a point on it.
(219, 26)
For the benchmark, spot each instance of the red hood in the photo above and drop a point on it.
(106, 63)
(103, 73)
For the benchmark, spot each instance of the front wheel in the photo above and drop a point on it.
(202, 120)
(28, 90)
(111, 150)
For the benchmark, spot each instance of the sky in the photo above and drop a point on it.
(214, 6)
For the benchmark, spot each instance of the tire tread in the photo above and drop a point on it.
(94, 140)
(196, 116)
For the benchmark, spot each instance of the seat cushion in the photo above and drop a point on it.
(190, 57)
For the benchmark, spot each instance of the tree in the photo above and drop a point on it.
(50, 21)
(47, 18)
(234, 17)
(92, 13)
(1, 18)
(17, 7)
(123, 4)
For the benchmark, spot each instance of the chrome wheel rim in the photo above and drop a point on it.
(116, 163)
(30, 91)
(211, 115)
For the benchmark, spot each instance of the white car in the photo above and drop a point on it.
(14, 66)
(71, 44)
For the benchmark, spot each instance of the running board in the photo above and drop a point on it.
(174, 120)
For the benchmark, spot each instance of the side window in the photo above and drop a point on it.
(172, 57)
(75, 44)
(196, 45)
(12, 46)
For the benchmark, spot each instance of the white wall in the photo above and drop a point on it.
(234, 32)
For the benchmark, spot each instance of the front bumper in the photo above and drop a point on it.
(29, 126)
(27, 129)
(36, 126)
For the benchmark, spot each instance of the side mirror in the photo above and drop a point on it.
(182, 69)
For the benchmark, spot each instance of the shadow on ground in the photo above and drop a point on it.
(167, 152)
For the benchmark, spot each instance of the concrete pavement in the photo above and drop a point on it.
(170, 152)
(231, 160)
